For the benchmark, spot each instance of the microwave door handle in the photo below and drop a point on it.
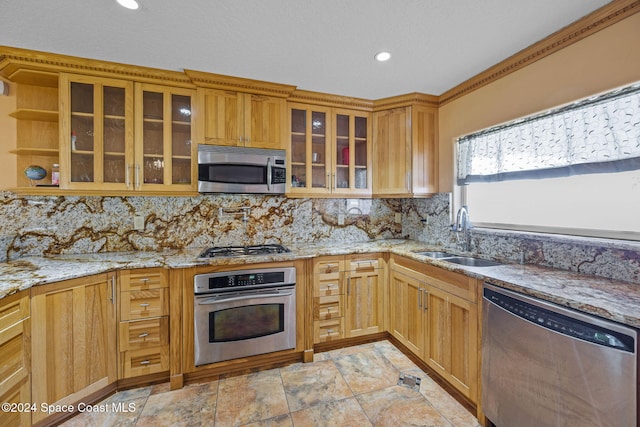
(214, 300)
(269, 174)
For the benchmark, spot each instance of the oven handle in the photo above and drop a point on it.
(213, 300)
(269, 174)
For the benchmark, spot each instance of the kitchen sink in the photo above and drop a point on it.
(436, 254)
(471, 261)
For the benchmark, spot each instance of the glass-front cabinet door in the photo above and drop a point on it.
(351, 171)
(310, 154)
(96, 133)
(164, 148)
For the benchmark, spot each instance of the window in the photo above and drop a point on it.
(572, 170)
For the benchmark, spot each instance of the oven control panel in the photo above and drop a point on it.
(223, 281)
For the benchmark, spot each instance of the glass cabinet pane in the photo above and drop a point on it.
(298, 148)
(342, 154)
(82, 132)
(360, 143)
(181, 139)
(319, 148)
(153, 138)
(113, 137)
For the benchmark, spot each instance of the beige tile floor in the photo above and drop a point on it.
(355, 386)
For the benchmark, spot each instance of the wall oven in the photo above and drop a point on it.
(244, 313)
(241, 170)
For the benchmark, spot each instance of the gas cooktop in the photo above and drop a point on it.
(238, 251)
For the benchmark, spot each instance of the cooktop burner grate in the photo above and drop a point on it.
(236, 251)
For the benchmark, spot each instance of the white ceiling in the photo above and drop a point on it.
(319, 45)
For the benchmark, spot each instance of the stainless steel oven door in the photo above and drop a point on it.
(240, 324)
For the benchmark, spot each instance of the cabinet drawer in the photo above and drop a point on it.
(147, 333)
(13, 309)
(143, 279)
(455, 283)
(145, 361)
(327, 307)
(141, 304)
(328, 286)
(328, 330)
(14, 367)
(364, 265)
(328, 267)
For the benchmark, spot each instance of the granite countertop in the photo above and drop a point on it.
(610, 299)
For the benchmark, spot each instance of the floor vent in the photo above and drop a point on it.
(410, 381)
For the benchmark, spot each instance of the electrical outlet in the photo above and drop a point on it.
(425, 221)
(340, 219)
(138, 222)
(398, 218)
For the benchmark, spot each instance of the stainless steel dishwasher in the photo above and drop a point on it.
(546, 365)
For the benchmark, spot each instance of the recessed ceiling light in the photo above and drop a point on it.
(382, 56)
(129, 4)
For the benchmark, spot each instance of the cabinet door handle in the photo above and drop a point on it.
(419, 298)
(137, 176)
(349, 286)
(145, 304)
(328, 181)
(334, 182)
(113, 289)
(424, 303)
(127, 178)
(143, 335)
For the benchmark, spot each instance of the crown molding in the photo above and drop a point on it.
(220, 81)
(329, 100)
(13, 60)
(409, 99)
(600, 19)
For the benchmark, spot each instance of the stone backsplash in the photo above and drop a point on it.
(38, 225)
(429, 221)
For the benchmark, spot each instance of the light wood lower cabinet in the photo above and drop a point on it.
(73, 340)
(434, 313)
(15, 380)
(143, 328)
(364, 296)
(348, 296)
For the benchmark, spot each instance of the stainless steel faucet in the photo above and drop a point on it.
(463, 224)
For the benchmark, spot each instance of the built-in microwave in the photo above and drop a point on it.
(241, 170)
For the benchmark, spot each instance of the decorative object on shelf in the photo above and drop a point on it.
(35, 173)
(345, 156)
(55, 174)
(73, 140)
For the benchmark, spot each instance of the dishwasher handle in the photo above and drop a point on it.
(560, 320)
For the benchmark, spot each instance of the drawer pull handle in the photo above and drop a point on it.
(332, 285)
(143, 335)
(145, 304)
(144, 279)
(145, 362)
(329, 331)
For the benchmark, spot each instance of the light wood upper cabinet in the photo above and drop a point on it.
(241, 112)
(330, 151)
(119, 136)
(73, 341)
(164, 135)
(405, 151)
(241, 119)
(96, 133)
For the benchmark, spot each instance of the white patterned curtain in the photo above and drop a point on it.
(596, 135)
